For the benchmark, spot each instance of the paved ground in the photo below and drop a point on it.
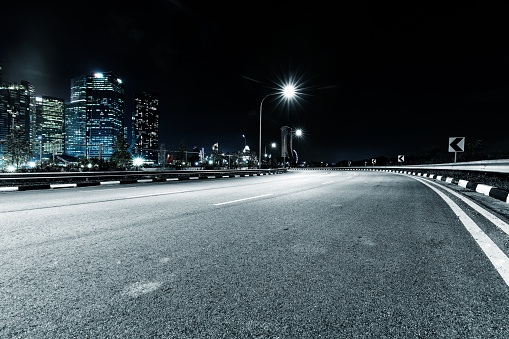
(298, 255)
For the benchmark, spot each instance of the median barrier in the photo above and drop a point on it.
(49, 180)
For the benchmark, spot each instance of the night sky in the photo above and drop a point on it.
(375, 78)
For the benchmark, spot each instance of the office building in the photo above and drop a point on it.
(105, 113)
(146, 125)
(95, 115)
(17, 108)
(75, 122)
(50, 125)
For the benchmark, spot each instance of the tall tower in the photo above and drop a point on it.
(146, 124)
(17, 108)
(50, 124)
(76, 119)
(105, 113)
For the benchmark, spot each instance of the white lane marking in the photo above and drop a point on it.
(498, 259)
(234, 201)
(155, 194)
(328, 182)
(495, 220)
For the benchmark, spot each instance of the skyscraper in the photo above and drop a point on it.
(105, 112)
(50, 125)
(17, 108)
(76, 119)
(146, 124)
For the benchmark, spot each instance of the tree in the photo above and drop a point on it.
(17, 149)
(121, 156)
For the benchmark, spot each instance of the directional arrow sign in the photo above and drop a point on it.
(401, 158)
(457, 144)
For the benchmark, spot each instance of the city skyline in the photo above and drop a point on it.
(376, 79)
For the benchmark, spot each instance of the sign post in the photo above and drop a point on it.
(456, 144)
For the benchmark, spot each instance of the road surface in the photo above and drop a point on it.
(311, 254)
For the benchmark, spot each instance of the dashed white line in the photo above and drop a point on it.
(244, 199)
(327, 182)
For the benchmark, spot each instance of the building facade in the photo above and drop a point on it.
(146, 125)
(50, 125)
(17, 108)
(75, 122)
(95, 115)
(105, 113)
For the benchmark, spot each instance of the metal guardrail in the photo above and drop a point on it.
(491, 166)
(127, 176)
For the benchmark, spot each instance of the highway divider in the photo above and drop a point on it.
(54, 180)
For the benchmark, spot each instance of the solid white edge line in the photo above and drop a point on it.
(233, 201)
(497, 258)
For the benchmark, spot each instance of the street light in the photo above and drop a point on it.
(288, 92)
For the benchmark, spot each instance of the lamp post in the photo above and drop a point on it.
(288, 92)
(285, 132)
(40, 149)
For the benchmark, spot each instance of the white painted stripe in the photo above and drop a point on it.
(439, 177)
(63, 185)
(155, 194)
(328, 182)
(144, 180)
(238, 200)
(484, 189)
(463, 183)
(497, 258)
(8, 189)
(449, 180)
(109, 182)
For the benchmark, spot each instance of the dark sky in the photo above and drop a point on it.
(375, 77)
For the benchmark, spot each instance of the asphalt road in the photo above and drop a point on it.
(312, 254)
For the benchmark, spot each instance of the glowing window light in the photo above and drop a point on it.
(98, 75)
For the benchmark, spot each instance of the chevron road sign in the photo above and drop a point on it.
(457, 144)
(401, 158)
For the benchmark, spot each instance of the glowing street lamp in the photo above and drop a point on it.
(138, 162)
(288, 92)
